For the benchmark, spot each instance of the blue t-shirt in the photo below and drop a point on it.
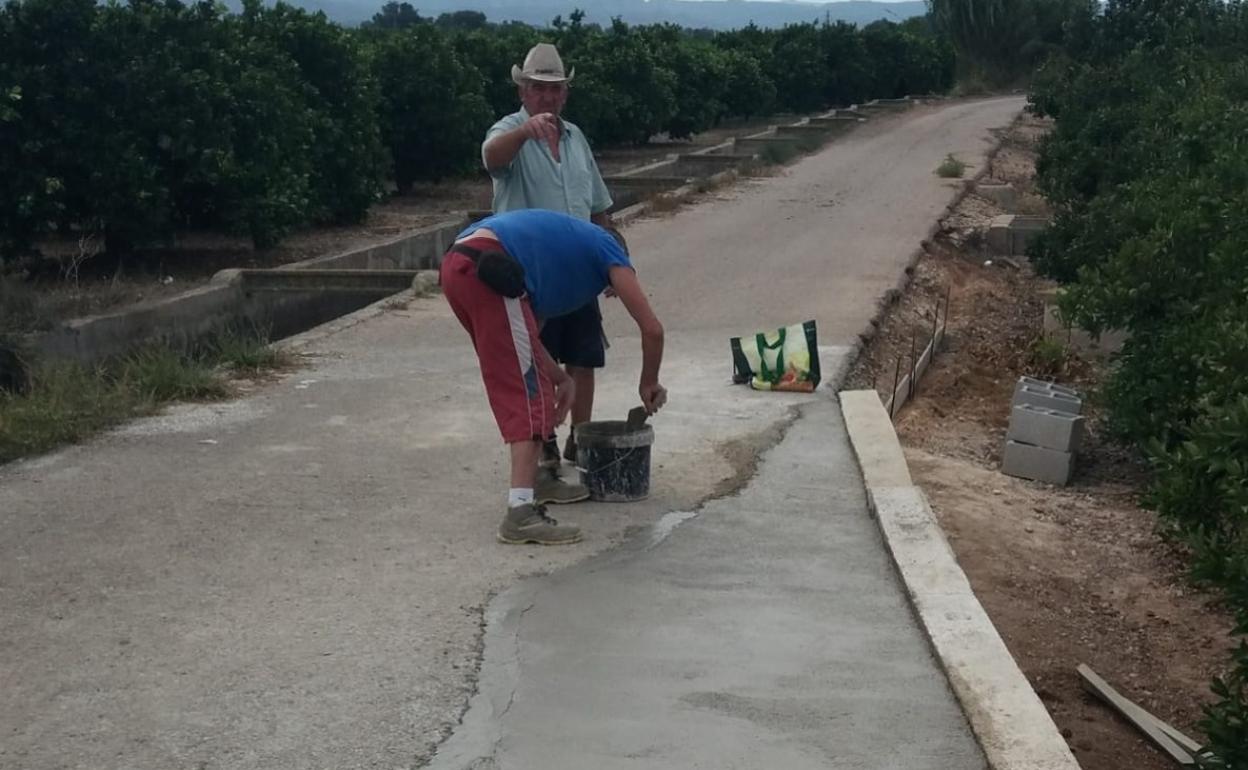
(566, 260)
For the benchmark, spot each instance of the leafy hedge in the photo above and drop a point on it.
(1148, 168)
(123, 124)
(1004, 40)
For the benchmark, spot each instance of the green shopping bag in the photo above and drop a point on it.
(784, 359)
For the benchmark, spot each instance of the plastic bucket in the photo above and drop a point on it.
(614, 461)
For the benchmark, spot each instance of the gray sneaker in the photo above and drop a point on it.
(530, 524)
(554, 491)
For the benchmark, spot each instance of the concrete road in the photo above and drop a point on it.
(297, 578)
(768, 631)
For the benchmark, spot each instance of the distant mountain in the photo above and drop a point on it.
(708, 14)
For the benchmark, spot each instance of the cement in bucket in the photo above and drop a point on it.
(614, 460)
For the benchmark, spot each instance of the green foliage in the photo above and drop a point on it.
(68, 402)
(1202, 489)
(255, 123)
(273, 118)
(1148, 173)
(461, 20)
(778, 153)
(1226, 721)
(493, 52)
(951, 168)
(1048, 357)
(395, 15)
(246, 350)
(347, 157)
(747, 89)
(65, 404)
(162, 373)
(1005, 39)
(417, 68)
(905, 62)
(798, 66)
(623, 94)
(699, 71)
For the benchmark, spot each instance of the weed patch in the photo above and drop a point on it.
(1048, 357)
(951, 168)
(165, 374)
(248, 351)
(778, 153)
(64, 403)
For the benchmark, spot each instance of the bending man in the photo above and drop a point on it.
(500, 276)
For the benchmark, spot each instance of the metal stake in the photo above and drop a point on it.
(892, 400)
(948, 294)
(913, 362)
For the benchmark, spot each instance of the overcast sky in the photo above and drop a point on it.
(819, 2)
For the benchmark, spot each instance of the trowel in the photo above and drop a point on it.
(636, 418)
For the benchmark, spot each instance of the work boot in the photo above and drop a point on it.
(569, 449)
(550, 457)
(529, 524)
(553, 491)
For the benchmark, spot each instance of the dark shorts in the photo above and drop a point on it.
(576, 339)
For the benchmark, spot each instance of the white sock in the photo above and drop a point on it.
(518, 496)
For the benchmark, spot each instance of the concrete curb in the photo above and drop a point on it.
(1007, 717)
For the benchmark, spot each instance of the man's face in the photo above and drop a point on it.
(538, 97)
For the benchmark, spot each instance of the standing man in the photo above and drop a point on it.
(538, 160)
(503, 274)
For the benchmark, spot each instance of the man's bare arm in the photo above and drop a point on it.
(628, 289)
(565, 388)
(502, 149)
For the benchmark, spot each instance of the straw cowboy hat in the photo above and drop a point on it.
(542, 64)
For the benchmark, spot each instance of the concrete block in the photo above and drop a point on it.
(1037, 463)
(1047, 398)
(1034, 384)
(1009, 234)
(998, 235)
(1045, 428)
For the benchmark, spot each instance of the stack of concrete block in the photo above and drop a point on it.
(1045, 431)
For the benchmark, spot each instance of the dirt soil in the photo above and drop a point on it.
(1068, 575)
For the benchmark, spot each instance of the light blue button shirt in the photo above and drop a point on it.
(535, 181)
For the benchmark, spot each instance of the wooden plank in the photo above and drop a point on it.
(1144, 721)
(1172, 732)
(1178, 737)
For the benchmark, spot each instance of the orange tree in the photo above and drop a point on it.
(1148, 173)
